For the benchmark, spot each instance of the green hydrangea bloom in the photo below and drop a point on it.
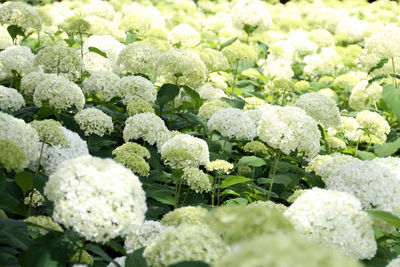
(133, 161)
(240, 51)
(196, 179)
(210, 107)
(130, 147)
(176, 158)
(186, 215)
(239, 223)
(296, 195)
(255, 147)
(139, 106)
(301, 85)
(269, 204)
(45, 223)
(50, 132)
(12, 157)
(243, 170)
(34, 198)
(82, 257)
(282, 250)
(75, 25)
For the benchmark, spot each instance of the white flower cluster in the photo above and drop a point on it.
(349, 127)
(391, 163)
(196, 179)
(143, 236)
(60, 92)
(327, 62)
(232, 123)
(251, 12)
(288, 129)
(103, 83)
(94, 121)
(375, 186)
(384, 43)
(214, 60)
(363, 95)
(138, 58)
(22, 134)
(184, 35)
(21, 15)
(335, 219)
(373, 124)
(133, 88)
(321, 108)
(10, 99)
(209, 92)
(278, 69)
(53, 156)
(147, 126)
(16, 58)
(31, 80)
(184, 150)
(98, 198)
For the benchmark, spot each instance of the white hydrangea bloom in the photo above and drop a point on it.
(10, 99)
(373, 124)
(53, 156)
(322, 38)
(353, 28)
(103, 83)
(98, 198)
(232, 123)
(119, 260)
(349, 127)
(138, 58)
(22, 134)
(60, 92)
(363, 96)
(334, 219)
(391, 163)
(323, 109)
(327, 62)
(301, 43)
(143, 236)
(251, 12)
(151, 13)
(375, 186)
(290, 128)
(17, 58)
(255, 115)
(147, 126)
(196, 179)
(278, 69)
(184, 150)
(94, 121)
(184, 35)
(107, 44)
(97, 8)
(394, 263)
(384, 43)
(5, 38)
(327, 17)
(31, 80)
(20, 14)
(209, 92)
(133, 88)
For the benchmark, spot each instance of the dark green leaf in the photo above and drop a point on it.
(387, 149)
(39, 181)
(70, 42)
(227, 43)
(386, 216)
(391, 96)
(251, 161)
(136, 259)
(249, 29)
(14, 233)
(236, 103)
(193, 95)
(166, 93)
(97, 51)
(14, 31)
(99, 251)
(231, 180)
(379, 65)
(24, 181)
(26, 112)
(190, 264)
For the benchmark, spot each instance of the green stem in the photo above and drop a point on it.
(234, 77)
(186, 195)
(355, 151)
(38, 39)
(178, 184)
(40, 157)
(252, 174)
(223, 148)
(80, 37)
(272, 174)
(394, 73)
(81, 251)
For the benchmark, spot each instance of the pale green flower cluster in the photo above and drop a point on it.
(44, 225)
(181, 66)
(384, 43)
(132, 155)
(269, 205)
(50, 132)
(364, 95)
(139, 106)
(184, 35)
(335, 143)
(327, 62)
(210, 107)
(253, 103)
(60, 60)
(135, 23)
(59, 92)
(133, 88)
(144, 236)
(21, 15)
(102, 83)
(196, 179)
(139, 58)
(98, 198)
(322, 38)
(321, 108)
(334, 219)
(185, 243)
(82, 257)
(10, 99)
(349, 127)
(255, 147)
(189, 215)
(214, 60)
(220, 166)
(16, 58)
(251, 13)
(12, 157)
(94, 121)
(75, 25)
(240, 51)
(239, 223)
(34, 199)
(373, 125)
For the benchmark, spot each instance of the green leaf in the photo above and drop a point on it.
(166, 93)
(130, 37)
(364, 155)
(70, 42)
(136, 259)
(26, 112)
(14, 233)
(279, 179)
(24, 181)
(14, 31)
(387, 149)
(386, 216)
(193, 95)
(249, 29)
(227, 43)
(236, 201)
(39, 181)
(251, 161)
(190, 264)
(379, 65)
(97, 51)
(391, 96)
(164, 197)
(54, 249)
(236, 103)
(100, 252)
(231, 180)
